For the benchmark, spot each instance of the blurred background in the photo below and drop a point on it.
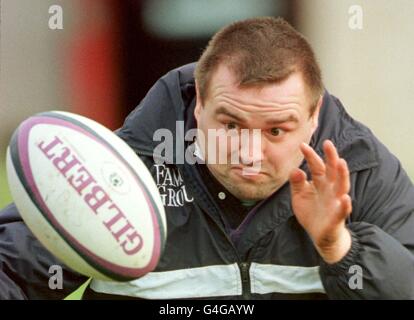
(110, 52)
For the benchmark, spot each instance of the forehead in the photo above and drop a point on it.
(291, 91)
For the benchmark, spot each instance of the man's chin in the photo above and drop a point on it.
(253, 192)
(250, 187)
(251, 195)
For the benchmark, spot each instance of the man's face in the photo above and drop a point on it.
(281, 112)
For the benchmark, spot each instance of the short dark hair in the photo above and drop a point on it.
(258, 51)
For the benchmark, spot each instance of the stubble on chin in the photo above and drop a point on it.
(247, 190)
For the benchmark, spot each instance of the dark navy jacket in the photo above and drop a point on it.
(274, 257)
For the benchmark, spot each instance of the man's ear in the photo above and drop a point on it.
(199, 106)
(315, 116)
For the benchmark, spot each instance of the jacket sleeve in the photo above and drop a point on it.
(382, 229)
(25, 263)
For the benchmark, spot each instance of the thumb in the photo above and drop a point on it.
(297, 180)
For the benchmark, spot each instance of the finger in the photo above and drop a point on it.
(316, 165)
(331, 160)
(344, 209)
(346, 205)
(297, 180)
(343, 181)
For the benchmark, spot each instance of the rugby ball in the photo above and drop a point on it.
(86, 196)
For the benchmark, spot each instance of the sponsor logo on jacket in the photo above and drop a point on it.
(171, 186)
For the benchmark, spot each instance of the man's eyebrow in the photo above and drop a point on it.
(227, 112)
(270, 121)
(282, 119)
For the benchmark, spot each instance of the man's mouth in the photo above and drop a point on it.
(248, 172)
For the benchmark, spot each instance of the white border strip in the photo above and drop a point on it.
(268, 278)
(211, 281)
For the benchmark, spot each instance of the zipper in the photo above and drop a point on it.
(245, 277)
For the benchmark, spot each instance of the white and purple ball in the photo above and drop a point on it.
(86, 196)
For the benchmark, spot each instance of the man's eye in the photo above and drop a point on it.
(231, 126)
(276, 132)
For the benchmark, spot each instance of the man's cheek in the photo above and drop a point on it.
(223, 149)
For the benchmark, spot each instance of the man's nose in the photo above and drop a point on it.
(251, 147)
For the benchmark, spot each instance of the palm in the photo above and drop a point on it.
(322, 205)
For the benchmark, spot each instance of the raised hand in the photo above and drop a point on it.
(322, 205)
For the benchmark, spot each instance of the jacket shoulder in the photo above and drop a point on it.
(354, 141)
(165, 103)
